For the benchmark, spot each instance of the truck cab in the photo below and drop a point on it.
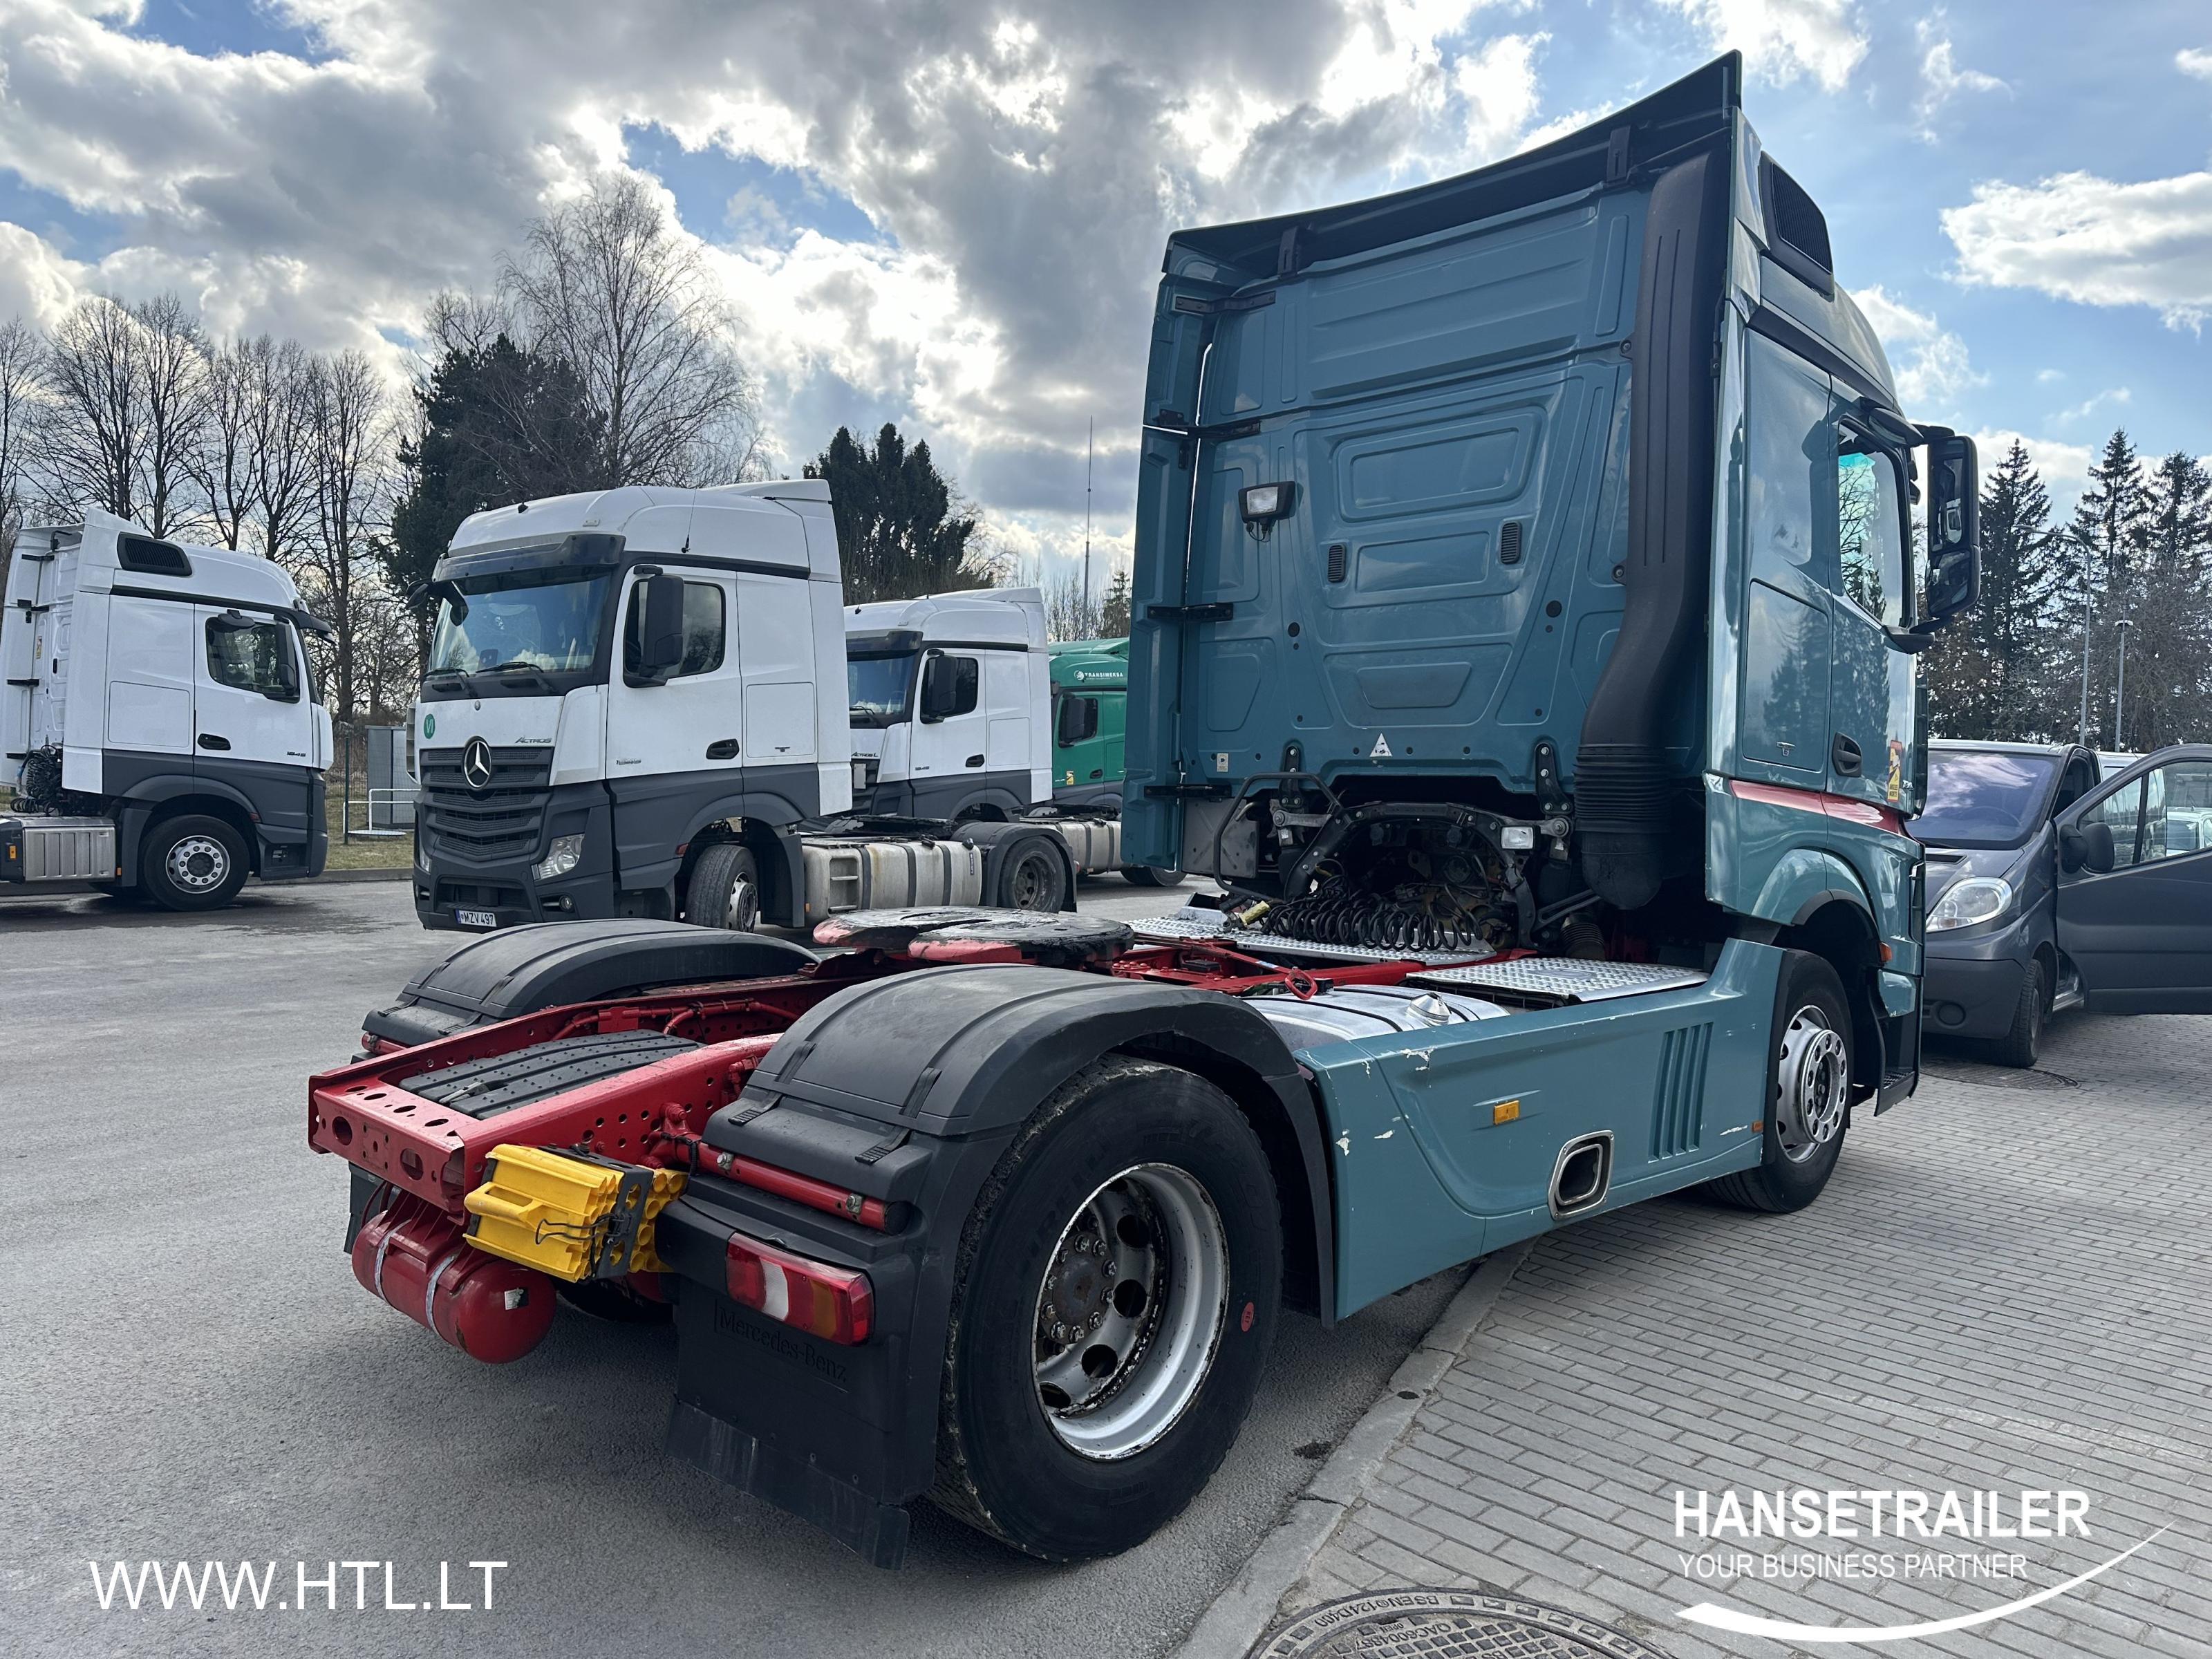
(161, 725)
(612, 675)
(1089, 719)
(949, 697)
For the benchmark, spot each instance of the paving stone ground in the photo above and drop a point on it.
(2007, 1285)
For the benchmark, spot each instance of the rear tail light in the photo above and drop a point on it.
(835, 1303)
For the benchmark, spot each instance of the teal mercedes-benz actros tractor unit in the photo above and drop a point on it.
(1524, 643)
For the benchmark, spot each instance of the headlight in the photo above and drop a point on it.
(1978, 898)
(566, 853)
(421, 858)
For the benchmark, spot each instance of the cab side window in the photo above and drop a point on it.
(253, 657)
(1869, 530)
(2166, 813)
(706, 629)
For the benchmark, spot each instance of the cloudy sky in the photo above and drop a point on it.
(951, 213)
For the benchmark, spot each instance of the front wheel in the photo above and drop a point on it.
(1808, 1092)
(723, 891)
(192, 863)
(1114, 1299)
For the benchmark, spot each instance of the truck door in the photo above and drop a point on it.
(674, 740)
(951, 737)
(1790, 515)
(775, 632)
(1870, 685)
(248, 704)
(152, 651)
(2140, 934)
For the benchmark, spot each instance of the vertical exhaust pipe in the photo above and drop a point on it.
(1624, 788)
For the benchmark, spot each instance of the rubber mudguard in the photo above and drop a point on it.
(518, 970)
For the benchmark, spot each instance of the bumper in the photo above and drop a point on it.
(508, 888)
(1974, 995)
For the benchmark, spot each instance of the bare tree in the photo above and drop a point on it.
(176, 412)
(605, 284)
(92, 429)
(284, 460)
(19, 368)
(348, 454)
(1070, 613)
(127, 410)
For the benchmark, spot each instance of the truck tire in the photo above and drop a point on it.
(1809, 1088)
(2023, 1041)
(1033, 877)
(723, 891)
(1133, 1214)
(192, 863)
(1144, 875)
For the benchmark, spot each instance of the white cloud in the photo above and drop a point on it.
(1942, 79)
(1930, 362)
(2050, 376)
(1782, 40)
(2194, 60)
(2063, 467)
(2111, 398)
(2082, 238)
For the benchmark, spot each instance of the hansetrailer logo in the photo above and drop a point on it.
(1873, 1534)
(314, 1587)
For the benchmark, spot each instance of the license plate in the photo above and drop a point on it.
(476, 918)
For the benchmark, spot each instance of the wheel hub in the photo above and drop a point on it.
(1814, 1085)
(1129, 1311)
(197, 864)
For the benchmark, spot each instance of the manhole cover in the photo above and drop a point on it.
(1997, 1077)
(1421, 1623)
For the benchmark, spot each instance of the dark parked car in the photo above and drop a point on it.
(2049, 887)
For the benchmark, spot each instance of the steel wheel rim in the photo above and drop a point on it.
(1031, 878)
(1154, 1226)
(741, 910)
(1813, 1085)
(198, 864)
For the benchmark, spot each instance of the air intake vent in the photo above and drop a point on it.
(1678, 1099)
(1339, 559)
(1796, 230)
(1508, 542)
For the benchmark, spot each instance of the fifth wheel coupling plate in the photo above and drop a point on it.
(1423, 1624)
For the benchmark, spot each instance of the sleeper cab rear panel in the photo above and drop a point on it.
(1432, 1166)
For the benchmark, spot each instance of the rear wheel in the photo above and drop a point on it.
(192, 863)
(2023, 1041)
(1147, 875)
(1035, 878)
(1114, 1299)
(723, 891)
(1808, 1091)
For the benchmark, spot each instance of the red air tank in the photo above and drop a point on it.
(417, 1258)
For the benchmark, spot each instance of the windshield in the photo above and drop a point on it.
(1982, 798)
(875, 688)
(541, 619)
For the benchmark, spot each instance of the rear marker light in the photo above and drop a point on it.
(835, 1303)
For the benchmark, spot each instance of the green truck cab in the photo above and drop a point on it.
(1090, 715)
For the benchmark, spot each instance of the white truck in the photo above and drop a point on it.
(635, 706)
(950, 702)
(162, 729)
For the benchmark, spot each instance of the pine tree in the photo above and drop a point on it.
(2169, 604)
(900, 531)
(1114, 608)
(2105, 543)
(1988, 678)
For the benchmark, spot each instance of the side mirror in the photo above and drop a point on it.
(1954, 529)
(231, 621)
(1078, 720)
(948, 688)
(660, 634)
(2087, 847)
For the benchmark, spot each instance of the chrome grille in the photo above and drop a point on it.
(496, 824)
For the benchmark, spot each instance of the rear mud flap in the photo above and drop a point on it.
(876, 1531)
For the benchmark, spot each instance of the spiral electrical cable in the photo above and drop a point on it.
(1432, 917)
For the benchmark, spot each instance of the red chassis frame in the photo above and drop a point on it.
(654, 1113)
